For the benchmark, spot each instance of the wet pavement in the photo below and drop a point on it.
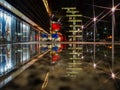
(72, 67)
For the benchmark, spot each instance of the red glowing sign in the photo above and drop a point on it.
(61, 36)
(56, 26)
(55, 57)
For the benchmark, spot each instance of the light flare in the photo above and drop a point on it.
(94, 65)
(94, 19)
(113, 9)
(113, 76)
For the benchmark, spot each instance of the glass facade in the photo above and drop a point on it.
(13, 29)
(6, 63)
(15, 55)
(5, 26)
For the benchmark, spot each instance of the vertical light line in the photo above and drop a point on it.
(94, 52)
(113, 21)
(113, 27)
(94, 20)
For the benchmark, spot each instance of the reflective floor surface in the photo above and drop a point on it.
(56, 66)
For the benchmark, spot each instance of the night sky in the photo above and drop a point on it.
(31, 7)
(86, 8)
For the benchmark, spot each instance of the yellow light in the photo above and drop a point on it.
(110, 47)
(47, 7)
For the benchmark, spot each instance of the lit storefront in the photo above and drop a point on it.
(13, 29)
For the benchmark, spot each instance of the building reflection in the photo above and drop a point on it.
(16, 55)
(75, 60)
(56, 49)
(67, 61)
(5, 59)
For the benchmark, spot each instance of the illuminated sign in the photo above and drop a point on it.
(56, 26)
